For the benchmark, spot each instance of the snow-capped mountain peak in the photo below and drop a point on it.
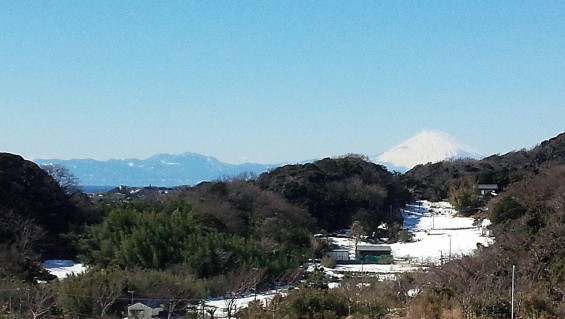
(425, 147)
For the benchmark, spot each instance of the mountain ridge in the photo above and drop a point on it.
(159, 170)
(189, 168)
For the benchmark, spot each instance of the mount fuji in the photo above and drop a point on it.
(428, 146)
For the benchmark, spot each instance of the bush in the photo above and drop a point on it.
(507, 209)
(328, 262)
(405, 236)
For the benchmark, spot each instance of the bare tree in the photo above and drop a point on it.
(41, 301)
(357, 231)
(66, 180)
(289, 277)
(24, 300)
(350, 287)
(29, 235)
(92, 292)
(237, 283)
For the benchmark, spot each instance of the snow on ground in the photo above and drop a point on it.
(63, 268)
(221, 303)
(438, 235)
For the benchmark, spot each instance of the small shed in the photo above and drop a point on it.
(373, 252)
(486, 189)
(339, 254)
(146, 309)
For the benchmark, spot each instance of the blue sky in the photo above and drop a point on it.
(276, 81)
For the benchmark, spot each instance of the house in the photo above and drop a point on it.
(146, 309)
(373, 253)
(486, 189)
(338, 254)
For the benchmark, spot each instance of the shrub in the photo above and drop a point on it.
(328, 262)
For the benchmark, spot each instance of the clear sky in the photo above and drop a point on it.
(276, 81)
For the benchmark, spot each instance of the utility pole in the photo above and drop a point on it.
(131, 292)
(449, 247)
(512, 309)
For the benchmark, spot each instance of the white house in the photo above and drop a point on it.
(144, 309)
(339, 254)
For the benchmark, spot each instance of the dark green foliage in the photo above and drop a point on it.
(131, 237)
(31, 194)
(463, 196)
(36, 218)
(338, 191)
(507, 209)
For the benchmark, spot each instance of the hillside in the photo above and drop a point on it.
(338, 191)
(431, 181)
(34, 213)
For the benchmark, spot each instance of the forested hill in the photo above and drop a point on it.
(432, 181)
(34, 213)
(338, 191)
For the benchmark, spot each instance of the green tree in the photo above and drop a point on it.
(506, 209)
(463, 196)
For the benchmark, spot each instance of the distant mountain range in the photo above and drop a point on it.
(191, 168)
(428, 146)
(159, 170)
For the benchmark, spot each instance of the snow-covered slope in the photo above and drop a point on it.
(427, 146)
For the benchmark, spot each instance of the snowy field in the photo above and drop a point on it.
(438, 236)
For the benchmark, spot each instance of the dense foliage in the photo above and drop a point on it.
(36, 216)
(337, 192)
(140, 236)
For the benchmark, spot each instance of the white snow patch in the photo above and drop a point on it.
(63, 268)
(242, 302)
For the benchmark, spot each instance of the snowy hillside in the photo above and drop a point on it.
(427, 146)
